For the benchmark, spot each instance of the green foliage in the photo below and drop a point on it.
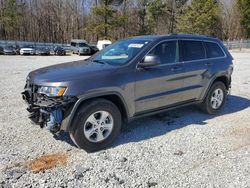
(11, 12)
(180, 3)
(107, 19)
(244, 8)
(156, 9)
(201, 17)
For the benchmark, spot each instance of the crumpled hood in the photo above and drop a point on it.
(67, 72)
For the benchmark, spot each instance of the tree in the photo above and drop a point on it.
(156, 10)
(11, 12)
(107, 18)
(231, 26)
(142, 14)
(244, 9)
(201, 17)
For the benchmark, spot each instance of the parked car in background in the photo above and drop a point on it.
(9, 50)
(1, 50)
(59, 51)
(17, 49)
(76, 44)
(27, 50)
(101, 44)
(136, 77)
(93, 49)
(81, 47)
(84, 49)
(42, 51)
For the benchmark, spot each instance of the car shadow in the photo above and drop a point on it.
(160, 124)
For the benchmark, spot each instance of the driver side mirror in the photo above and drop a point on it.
(150, 61)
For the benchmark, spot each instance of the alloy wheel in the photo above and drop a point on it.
(98, 126)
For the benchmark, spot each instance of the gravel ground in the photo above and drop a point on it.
(181, 148)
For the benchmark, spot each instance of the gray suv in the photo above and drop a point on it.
(135, 77)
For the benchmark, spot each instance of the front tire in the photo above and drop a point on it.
(215, 98)
(96, 125)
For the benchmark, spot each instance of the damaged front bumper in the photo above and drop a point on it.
(48, 112)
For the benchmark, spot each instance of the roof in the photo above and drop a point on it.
(175, 36)
(78, 41)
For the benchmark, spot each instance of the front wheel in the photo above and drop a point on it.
(215, 98)
(96, 125)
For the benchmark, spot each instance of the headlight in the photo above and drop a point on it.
(52, 91)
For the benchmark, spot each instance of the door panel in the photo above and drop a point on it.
(161, 85)
(195, 74)
(193, 56)
(158, 87)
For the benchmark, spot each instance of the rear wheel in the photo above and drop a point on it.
(96, 125)
(215, 98)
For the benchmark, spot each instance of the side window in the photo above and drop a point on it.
(167, 52)
(73, 44)
(213, 50)
(192, 50)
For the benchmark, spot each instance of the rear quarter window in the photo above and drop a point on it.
(192, 50)
(213, 50)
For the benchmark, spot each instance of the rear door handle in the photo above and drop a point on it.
(174, 69)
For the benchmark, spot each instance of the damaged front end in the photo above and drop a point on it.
(46, 111)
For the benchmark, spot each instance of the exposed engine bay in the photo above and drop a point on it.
(48, 112)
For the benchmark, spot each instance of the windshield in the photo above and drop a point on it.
(121, 52)
(83, 45)
(9, 47)
(27, 46)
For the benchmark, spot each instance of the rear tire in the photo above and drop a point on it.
(91, 127)
(215, 98)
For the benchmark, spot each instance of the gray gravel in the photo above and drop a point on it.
(181, 148)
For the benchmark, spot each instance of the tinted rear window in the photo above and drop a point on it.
(192, 50)
(213, 50)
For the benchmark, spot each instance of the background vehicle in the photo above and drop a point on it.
(101, 44)
(76, 44)
(1, 50)
(93, 49)
(132, 78)
(27, 50)
(81, 47)
(16, 48)
(9, 50)
(59, 51)
(42, 51)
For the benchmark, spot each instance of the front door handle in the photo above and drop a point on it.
(208, 64)
(174, 69)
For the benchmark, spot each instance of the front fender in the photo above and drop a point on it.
(67, 121)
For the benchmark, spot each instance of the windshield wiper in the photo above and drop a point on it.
(99, 61)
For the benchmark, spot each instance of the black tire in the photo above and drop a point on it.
(206, 105)
(77, 133)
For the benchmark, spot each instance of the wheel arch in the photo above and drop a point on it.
(114, 97)
(222, 78)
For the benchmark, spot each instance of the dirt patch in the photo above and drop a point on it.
(46, 162)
